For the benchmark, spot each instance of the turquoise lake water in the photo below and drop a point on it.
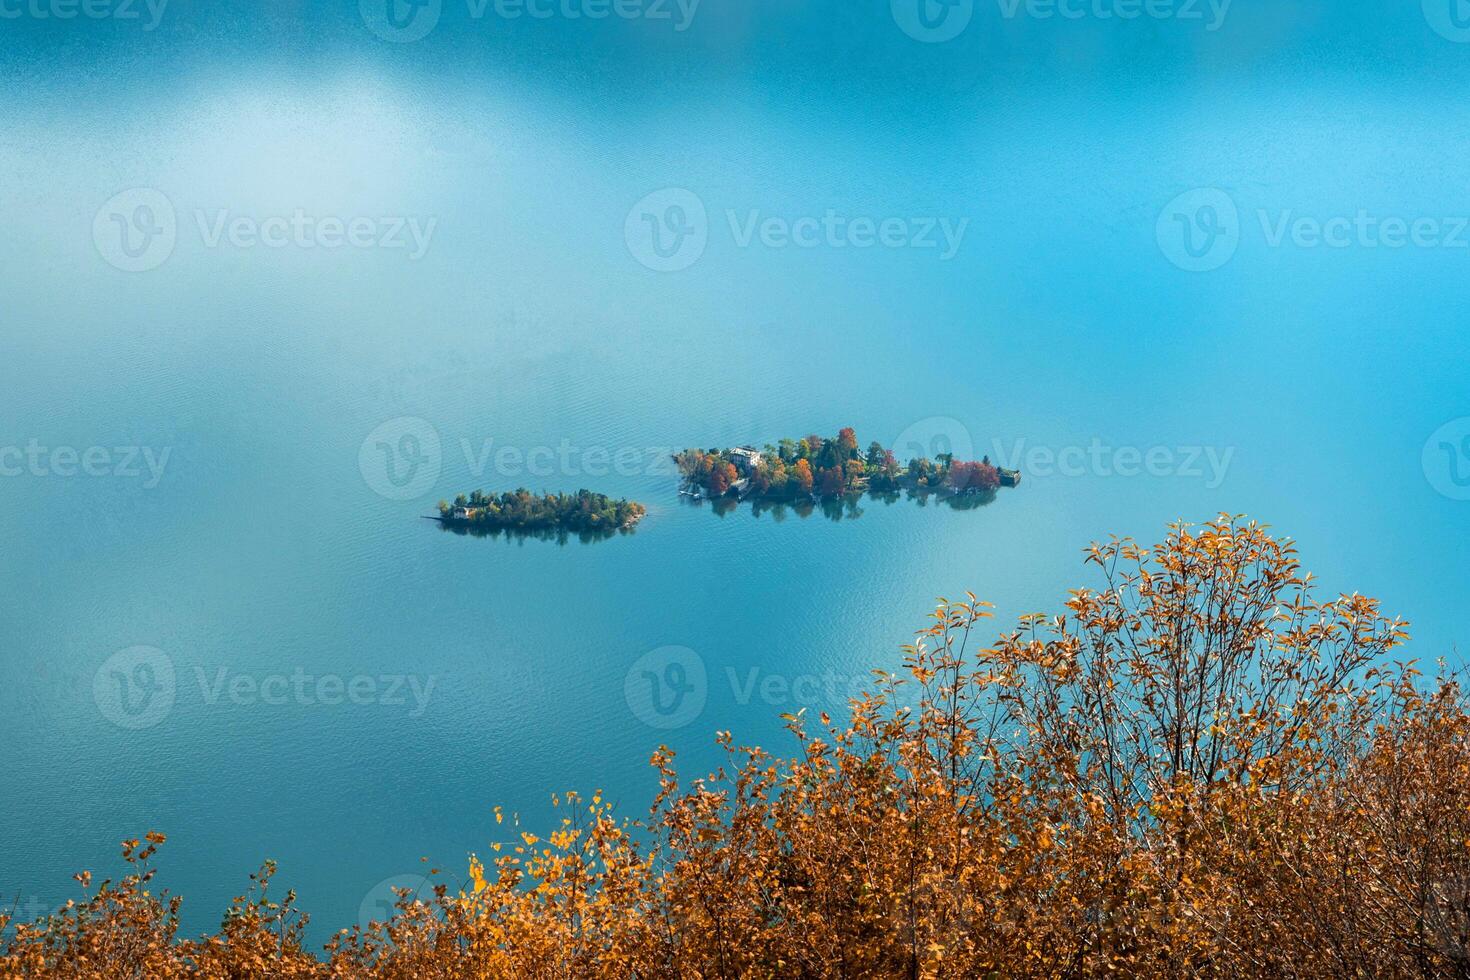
(1083, 246)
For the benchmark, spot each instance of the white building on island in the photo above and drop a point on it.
(746, 459)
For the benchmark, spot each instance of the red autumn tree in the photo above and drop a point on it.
(831, 482)
(973, 476)
(720, 478)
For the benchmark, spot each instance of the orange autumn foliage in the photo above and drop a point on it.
(1201, 769)
(803, 473)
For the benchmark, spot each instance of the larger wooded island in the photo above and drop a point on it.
(821, 468)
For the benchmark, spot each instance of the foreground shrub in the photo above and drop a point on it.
(1200, 769)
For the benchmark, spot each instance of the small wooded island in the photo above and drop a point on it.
(583, 512)
(820, 468)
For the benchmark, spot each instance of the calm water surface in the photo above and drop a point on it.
(265, 552)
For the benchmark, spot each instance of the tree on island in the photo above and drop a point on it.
(804, 476)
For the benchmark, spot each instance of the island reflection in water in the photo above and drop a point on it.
(561, 536)
(846, 507)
